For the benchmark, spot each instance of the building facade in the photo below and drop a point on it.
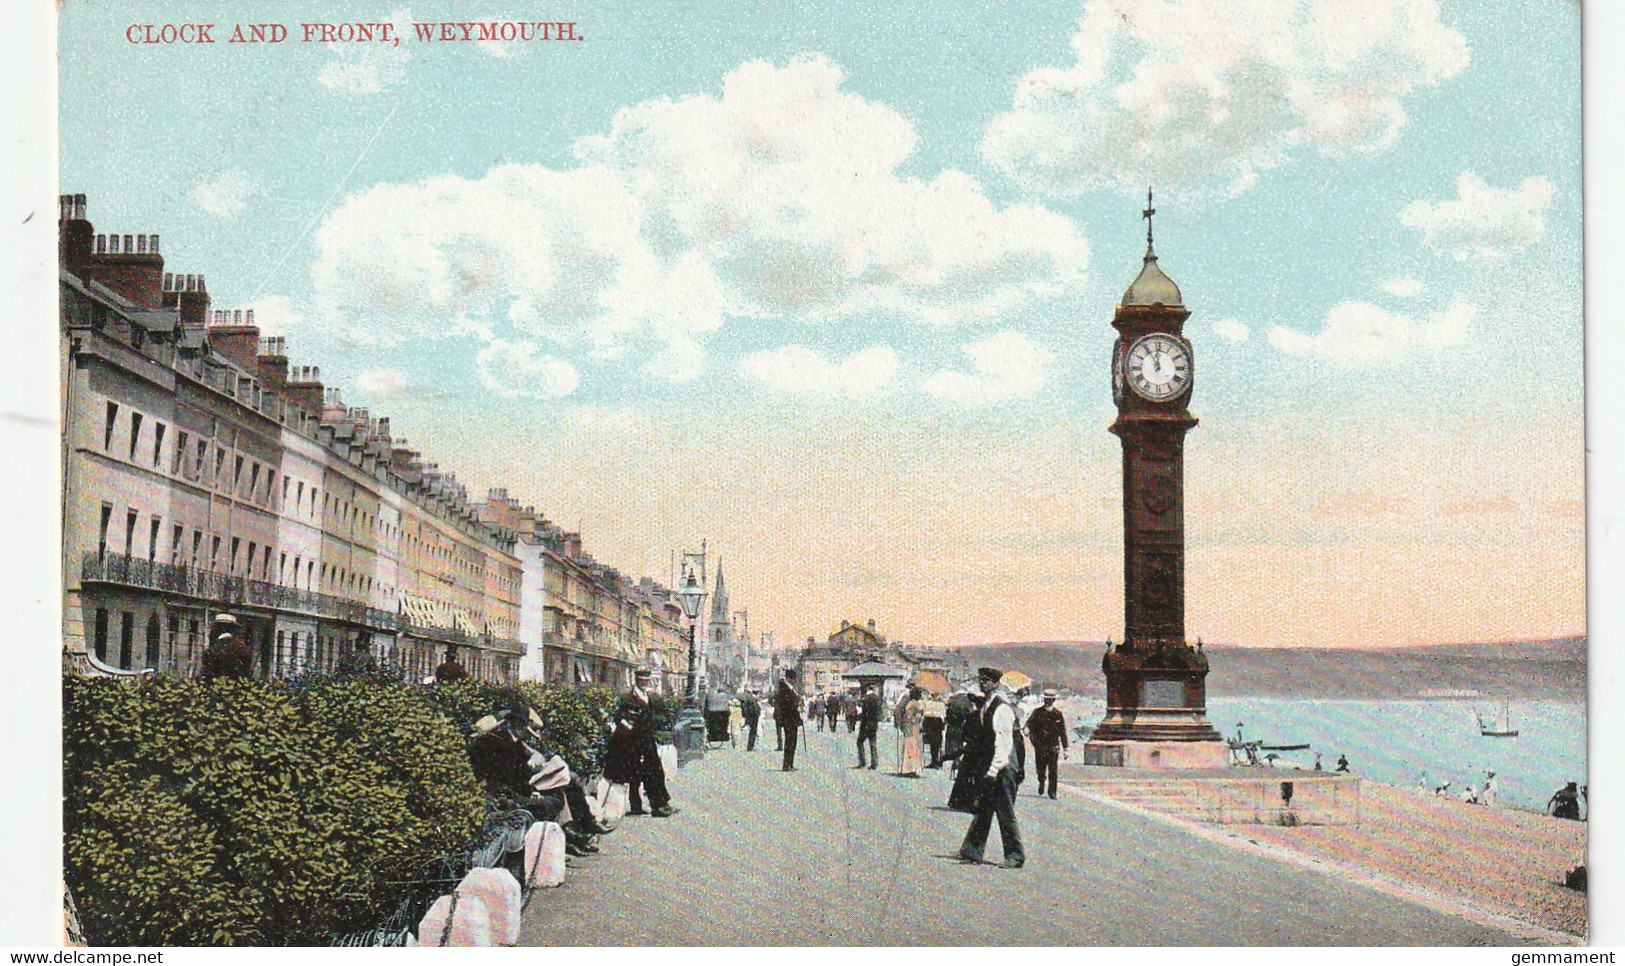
(202, 474)
(823, 664)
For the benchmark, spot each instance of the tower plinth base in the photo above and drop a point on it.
(1157, 754)
(1156, 711)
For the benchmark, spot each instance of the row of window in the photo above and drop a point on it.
(190, 464)
(293, 652)
(256, 565)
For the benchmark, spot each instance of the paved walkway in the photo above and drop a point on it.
(828, 855)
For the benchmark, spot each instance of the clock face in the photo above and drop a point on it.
(1158, 367)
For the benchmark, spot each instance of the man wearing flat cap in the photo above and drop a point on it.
(1046, 726)
(987, 754)
(636, 731)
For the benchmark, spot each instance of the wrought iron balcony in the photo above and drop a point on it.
(228, 589)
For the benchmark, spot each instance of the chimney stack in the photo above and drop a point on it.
(304, 388)
(128, 264)
(188, 295)
(272, 360)
(234, 337)
(74, 235)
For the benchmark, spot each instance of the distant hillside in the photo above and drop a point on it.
(1553, 670)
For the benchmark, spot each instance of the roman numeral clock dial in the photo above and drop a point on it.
(1158, 367)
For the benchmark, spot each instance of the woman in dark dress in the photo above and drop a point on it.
(963, 718)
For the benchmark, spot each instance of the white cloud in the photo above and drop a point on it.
(1483, 222)
(1404, 288)
(777, 201)
(369, 67)
(1007, 365)
(786, 186)
(1448, 327)
(1231, 329)
(802, 371)
(380, 384)
(1202, 94)
(1360, 332)
(227, 195)
(275, 315)
(518, 369)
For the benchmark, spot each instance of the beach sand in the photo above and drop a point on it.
(1498, 861)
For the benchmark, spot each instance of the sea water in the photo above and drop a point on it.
(1409, 744)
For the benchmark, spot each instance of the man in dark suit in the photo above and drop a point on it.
(635, 722)
(228, 657)
(787, 710)
(1046, 726)
(990, 756)
(751, 710)
(869, 715)
(449, 670)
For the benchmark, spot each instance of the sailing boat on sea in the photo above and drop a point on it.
(1493, 729)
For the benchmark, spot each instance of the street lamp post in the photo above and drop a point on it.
(691, 597)
(691, 723)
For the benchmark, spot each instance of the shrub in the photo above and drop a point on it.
(245, 812)
(573, 720)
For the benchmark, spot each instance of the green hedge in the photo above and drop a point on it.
(573, 719)
(256, 813)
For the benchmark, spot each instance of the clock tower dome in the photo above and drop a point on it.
(1156, 682)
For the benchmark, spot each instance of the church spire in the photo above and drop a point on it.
(719, 598)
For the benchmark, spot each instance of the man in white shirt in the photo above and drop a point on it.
(987, 753)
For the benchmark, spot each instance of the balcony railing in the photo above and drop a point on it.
(448, 635)
(221, 588)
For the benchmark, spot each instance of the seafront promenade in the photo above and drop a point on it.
(830, 855)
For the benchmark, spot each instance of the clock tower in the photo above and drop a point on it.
(1156, 682)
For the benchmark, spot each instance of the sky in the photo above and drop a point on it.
(831, 287)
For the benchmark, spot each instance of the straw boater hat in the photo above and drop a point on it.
(1049, 693)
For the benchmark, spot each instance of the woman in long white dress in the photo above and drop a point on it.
(913, 720)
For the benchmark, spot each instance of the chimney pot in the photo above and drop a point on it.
(152, 244)
(169, 281)
(79, 207)
(101, 246)
(141, 244)
(127, 246)
(250, 316)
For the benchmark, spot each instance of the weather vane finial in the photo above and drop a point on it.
(1146, 214)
